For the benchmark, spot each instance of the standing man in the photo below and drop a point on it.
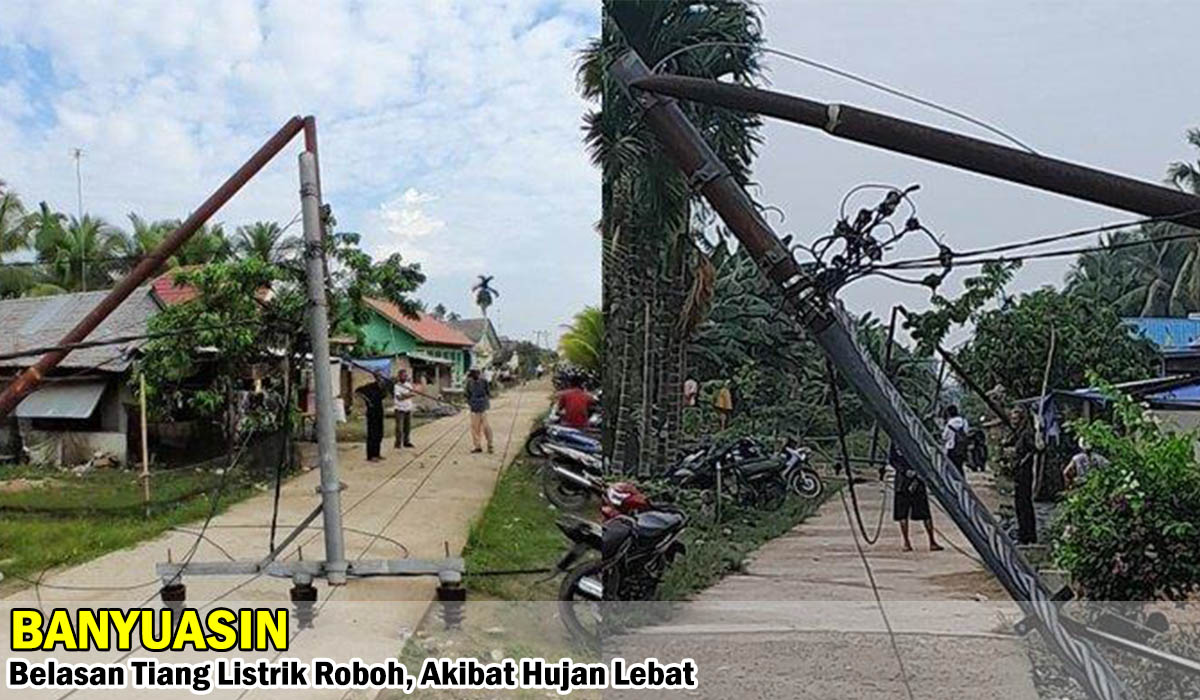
(1022, 449)
(955, 438)
(372, 395)
(479, 400)
(910, 501)
(402, 403)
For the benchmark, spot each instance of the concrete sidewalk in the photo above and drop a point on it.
(418, 502)
(802, 620)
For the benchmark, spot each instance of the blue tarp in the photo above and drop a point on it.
(377, 365)
(1168, 333)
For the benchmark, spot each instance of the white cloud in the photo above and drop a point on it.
(473, 102)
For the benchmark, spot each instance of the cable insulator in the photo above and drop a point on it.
(453, 599)
(304, 599)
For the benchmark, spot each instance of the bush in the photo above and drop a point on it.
(1129, 531)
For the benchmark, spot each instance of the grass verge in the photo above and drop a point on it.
(515, 531)
(51, 518)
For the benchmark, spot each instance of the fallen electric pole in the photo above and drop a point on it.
(832, 330)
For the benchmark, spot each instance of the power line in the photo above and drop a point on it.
(125, 339)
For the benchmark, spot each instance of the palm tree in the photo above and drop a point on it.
(485, 293)
(78, 252)
(208, 244)
(263, 240)
(14, 236)
(583, 343)
(648, 211)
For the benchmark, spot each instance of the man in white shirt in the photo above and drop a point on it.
(402, 403)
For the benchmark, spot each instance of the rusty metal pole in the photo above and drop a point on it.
(941, 146)
(29, 380)
(310, 145)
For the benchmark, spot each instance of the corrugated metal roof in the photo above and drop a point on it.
(1167, 333)
(62, 400)
(36, 322)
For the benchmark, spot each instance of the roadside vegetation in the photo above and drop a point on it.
(51, 518)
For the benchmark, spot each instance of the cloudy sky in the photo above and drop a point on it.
(1106, 83)
(449, 131)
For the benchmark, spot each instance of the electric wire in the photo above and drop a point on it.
(874, 84)
(835, 396)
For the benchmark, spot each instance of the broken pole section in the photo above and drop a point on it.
(29, 380)
(318, 316)
(832, 330)
(941, 146)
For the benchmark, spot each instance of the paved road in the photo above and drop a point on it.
(802, 620)
(418, 502)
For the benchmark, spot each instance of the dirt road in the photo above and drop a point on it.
(802, 620)
(418, 502)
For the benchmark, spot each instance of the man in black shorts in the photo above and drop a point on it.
(910, 501)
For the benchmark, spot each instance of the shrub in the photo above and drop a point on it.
(1129, 531)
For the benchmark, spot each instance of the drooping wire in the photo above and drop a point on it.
(876, 85)
(835, 396)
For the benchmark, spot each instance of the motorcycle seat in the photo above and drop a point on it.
(760, 465)
(658, 522)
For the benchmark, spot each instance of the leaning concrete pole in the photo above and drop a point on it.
(827, 323)
(318, 318)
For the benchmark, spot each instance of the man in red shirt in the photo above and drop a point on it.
(574, 405)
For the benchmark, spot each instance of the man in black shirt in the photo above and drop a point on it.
(910, 501)
(372, 395)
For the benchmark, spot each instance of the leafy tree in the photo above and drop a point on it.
(1129, 531)
(651, 267)
(583, 342)
(256, 309)
(439, 311)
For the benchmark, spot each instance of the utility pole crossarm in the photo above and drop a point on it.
(939, 145)
(833, 332)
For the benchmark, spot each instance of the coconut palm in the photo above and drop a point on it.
(263, 240)
(583, 342)
(208, 244)
(485, 293)
(648, 211)
(77, 252)
(14, 236)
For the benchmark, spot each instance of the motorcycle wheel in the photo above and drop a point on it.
(581, 615)
(533, 444)
(806, 483)
(772, 493)
(561, 493)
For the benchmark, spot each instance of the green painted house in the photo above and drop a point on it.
(433, 352)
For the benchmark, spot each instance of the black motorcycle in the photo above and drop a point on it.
(635, 553)
(747, 473)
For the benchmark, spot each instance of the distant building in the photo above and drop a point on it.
(483, 334)
(84, 406)
(435, 353)
(1177, 340)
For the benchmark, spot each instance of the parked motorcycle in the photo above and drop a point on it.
(570, 480)
(586, 441)
(638, 542)
(801, 478)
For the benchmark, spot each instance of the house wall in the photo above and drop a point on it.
(391, 339)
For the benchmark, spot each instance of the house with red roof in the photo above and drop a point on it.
(434, 352)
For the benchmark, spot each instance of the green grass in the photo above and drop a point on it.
(70, 519)
(515, 531)
(718, 550)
